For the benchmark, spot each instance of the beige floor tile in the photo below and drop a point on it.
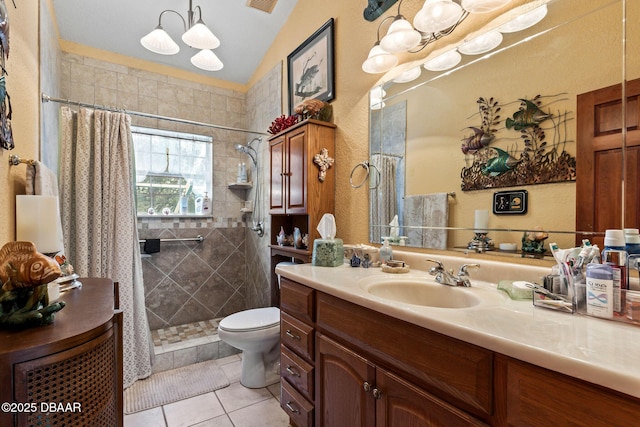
(263, 414)
(237, 396)
(275, 390)
(232, 370)
(149, 418)
(222, 421)
(193, 410)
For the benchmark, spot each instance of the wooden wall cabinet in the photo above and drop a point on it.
(357, 367)
(298, 197)
(76, 362)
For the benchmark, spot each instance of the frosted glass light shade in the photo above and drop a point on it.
(38, 221)
(379, 61)
(483, 6)
(200, 37)
(437, 15)
(400, 37)
(375, 98)
(481, 44)
(408, 76)
(158, 41)
(444, 61)
(525, 20)
(207, 60)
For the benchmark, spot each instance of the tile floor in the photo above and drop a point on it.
(233, 406)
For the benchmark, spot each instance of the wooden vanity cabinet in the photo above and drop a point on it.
(297, 354)
(297, 196)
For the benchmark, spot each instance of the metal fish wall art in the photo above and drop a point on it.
(479, 139)
(500, 164)
(528, 116)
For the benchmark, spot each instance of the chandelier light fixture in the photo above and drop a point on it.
(196, 35)
(435, 20)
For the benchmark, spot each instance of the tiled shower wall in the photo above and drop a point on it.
(190, 281)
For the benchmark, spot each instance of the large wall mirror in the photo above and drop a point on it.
(423, 133)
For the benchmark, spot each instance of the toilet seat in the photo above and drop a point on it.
(251, 320)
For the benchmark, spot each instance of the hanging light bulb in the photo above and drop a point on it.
(207, 60)
(437, 15)
(401, 36)
(379, 60)
(158, 41)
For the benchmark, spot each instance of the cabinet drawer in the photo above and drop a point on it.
(296, 406)
(297, 300)
(297, 336)
(297, 372)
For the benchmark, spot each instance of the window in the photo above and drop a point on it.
(173, 171)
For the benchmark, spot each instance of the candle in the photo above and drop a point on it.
(481, 223)
(37, 219)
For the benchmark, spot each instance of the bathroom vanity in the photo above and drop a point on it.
(74, 364)
(351, 357)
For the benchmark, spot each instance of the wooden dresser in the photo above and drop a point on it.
(68, 373)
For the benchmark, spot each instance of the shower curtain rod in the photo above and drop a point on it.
(47, 98)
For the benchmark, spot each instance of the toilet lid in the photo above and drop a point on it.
(251, 320)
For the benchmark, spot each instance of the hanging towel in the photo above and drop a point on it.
(151, 246)
(428, 210)
(41, 180)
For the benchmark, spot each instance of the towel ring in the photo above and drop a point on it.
(367, 166)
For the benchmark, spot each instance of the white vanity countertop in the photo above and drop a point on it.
(599, 351)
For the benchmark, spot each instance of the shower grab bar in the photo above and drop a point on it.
(198, 238)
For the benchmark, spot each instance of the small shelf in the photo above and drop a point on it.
(240, 185)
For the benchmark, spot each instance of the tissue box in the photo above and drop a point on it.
(327, 253)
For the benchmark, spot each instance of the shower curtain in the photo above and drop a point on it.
(384, 199)
(99, 220)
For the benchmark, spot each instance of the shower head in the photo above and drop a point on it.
(249, 151)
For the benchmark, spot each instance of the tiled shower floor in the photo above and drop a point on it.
(183, 345)
(190, 331)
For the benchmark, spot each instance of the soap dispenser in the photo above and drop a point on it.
(386, 253)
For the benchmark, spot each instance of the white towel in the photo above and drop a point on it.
(41, 180)
(428, 210)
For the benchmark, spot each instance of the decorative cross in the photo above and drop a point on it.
(324, 162)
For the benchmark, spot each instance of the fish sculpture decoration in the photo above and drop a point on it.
(25, 273)
(479, 139)
(529, 116)
(500, 164)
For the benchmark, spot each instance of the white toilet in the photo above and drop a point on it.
(257, 333)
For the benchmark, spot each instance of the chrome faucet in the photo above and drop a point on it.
(446, 277)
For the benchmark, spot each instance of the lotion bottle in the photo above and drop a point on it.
(206, 204)
(386, 253)
(615, 255)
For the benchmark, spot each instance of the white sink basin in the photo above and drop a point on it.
(423, 292)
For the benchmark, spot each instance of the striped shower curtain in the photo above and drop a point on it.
(99, 218)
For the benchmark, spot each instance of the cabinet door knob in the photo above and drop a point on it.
(377, 393)
(291, 372)
(291, 335)
(366, 386)
(286, 174)
(291, 408)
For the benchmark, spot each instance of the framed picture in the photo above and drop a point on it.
(311, 68)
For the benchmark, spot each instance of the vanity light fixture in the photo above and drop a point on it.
(408, 76)
(481, 44)
(436, 19)
(197, 35)
(443, 61)
(524, 21)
